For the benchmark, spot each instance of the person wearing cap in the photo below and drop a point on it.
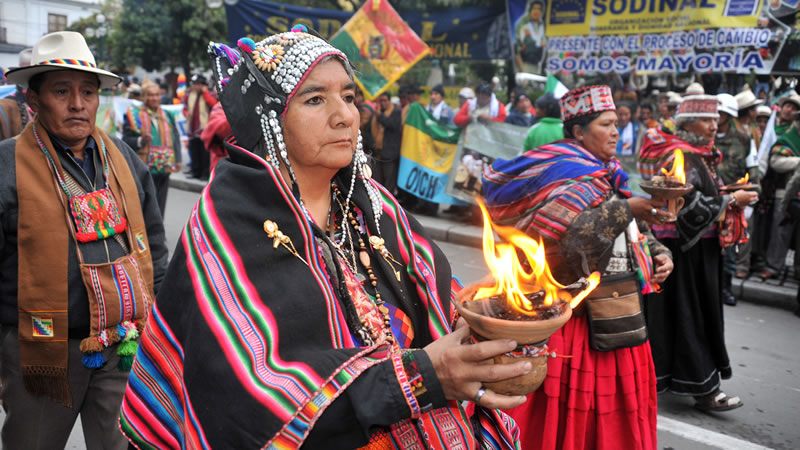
(82, 253)
(738, 160)
(685, 320)
(152, 133)
(196, 107)
(438, 108)
(520, 114)
(304, 308)
(784, 160)
(573, 195)
(464, 95)
(484, 108)
(763, 113)
(789, 106)
(548, 127)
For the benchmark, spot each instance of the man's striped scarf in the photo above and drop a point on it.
(542, 190)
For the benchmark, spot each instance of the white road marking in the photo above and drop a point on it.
(704, 436)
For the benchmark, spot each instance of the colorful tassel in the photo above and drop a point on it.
(91, 345)
(127, 348)
(133, 333)
(121, 330)
(93, 360)
(125, 363)
(246, 44)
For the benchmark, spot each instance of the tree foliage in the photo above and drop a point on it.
(156, 34)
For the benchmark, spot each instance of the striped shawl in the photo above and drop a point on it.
(248, 346)
(541, 191)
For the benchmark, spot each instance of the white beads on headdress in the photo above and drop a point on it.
(362, 170)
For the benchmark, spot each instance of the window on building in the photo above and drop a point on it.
(56, 22)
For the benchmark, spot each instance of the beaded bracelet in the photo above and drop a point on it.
(405, 385)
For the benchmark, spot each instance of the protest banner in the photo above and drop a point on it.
(380, 46)
(479, 146)
(722, 38)
(452, 33)
(426, 156)
(604, 17)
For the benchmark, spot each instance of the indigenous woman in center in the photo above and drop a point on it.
(600, 388)
(303, 306)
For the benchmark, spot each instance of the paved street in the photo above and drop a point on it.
(760, 342)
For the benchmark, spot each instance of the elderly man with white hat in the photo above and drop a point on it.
(747, 103)
(81, 253)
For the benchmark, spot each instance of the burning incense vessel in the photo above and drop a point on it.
(741, 183)
(521, 301)
(670, 187)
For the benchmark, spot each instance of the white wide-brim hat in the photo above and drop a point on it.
(58, 51)
(746, 99)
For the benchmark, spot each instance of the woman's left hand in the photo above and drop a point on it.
(664, 267)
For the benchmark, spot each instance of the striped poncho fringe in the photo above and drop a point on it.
(544, 189)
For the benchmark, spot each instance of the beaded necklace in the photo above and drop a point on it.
(352, 222)
(95, 213)
(61, 181)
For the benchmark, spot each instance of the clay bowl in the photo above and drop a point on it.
(522, 331)
(736, 187)
(666, 193)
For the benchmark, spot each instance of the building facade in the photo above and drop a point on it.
(23, 22)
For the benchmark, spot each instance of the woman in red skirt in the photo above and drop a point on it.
(600, 390)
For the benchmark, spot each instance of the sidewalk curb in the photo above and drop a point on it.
(442, 229)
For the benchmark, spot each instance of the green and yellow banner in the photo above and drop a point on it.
(427, 155)
(380, 45)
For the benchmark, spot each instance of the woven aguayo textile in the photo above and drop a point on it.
(545, 188)
(249, 345)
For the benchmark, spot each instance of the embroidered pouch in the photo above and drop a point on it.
(96, 215)
(161, 159)
(119, 303)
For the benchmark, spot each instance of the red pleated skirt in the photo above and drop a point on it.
(594, 400)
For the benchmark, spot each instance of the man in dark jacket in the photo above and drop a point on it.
(81, 254)
(387, 133)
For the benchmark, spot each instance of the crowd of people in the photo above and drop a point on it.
(304, 306)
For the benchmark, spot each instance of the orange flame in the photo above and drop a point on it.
(676, 174)
(744, 179)
(513, 279)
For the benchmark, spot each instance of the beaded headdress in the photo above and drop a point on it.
(256, 82)
(698, 106)
(586, 100)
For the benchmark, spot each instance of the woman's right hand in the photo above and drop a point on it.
(642, 209)
(460, 372)
(744, 198)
